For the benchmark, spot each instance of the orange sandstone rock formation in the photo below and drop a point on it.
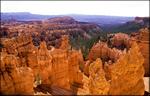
(60, 68)
(44, 62)
(75, 59)
(98, 83)
(15, 81)
(127, 70)
(120, 40)
(64, 43)
(142, 38)
(101, 50)
(55, 67)
(65, 68)
(143, 42)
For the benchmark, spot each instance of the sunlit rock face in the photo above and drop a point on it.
(120, 40)
(17, 45)
(101, 50)
(44, 59)
(55, 67)
(127, 70)
(64, 43)
(120, 67)
(65, 67)
(75, 59)
(15, 81)
(143, 42)
(23, 48)
(60, 69)
(142, 39)
(38, 59)
(98, 83)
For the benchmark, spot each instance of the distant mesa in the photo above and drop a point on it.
(64, 19)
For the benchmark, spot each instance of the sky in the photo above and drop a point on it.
(113, 8)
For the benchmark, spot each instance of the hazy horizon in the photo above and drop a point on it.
(67, 14)
(109, 8)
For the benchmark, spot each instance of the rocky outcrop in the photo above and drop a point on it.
(122, 41)
(144, 34)
(55, 67)
(15, 81)
(86, 67)
(142, 38)
(98, 85)
(68, 72)
(60, 68)
(101, 50)
(44, 62)
(65, 68)
(119, 40)
(64, 43)
(127, 70)
(143, 42)
(75, 59)
(17, 45)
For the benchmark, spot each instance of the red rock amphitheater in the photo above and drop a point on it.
(46, 64)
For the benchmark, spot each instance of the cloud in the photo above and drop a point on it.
(117, 8)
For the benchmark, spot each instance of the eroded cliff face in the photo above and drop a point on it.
(116, 43)
(39, 54)
(143, 42)
(14, 80)
(98, 83)
(142, 39)
(127, 70)
(119, 40)
(64, 43)
(101, 50)
(75, 59)
(44, 60)
(27, 65)
(65, 66)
